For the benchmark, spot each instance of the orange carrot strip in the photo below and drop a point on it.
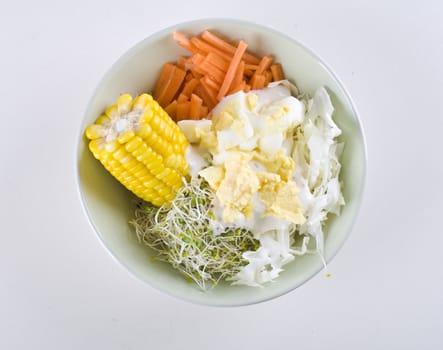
(251, 66)
(217, 41)
(203, 112)
(213, 72)
(194, 109)
(211, 83)
(198, 70)
(182, 98)
(258, 81)
(188, 76)
(217, 61)
(181, 62)
(165, 77)
(194, 64)
(183, 110)
(212, 93)
(207, 48)
(238, 87)
(223, 45)
(250, 58)
(238, 75)
(268, 76)
(195, 60)
(172, 86)
(277, 72)
(184, 42)
(171, 109)
(248, 73)
(241, 48)
(203, 93)
(196, 75)
(190, 85)
(264, 64)
(252, 80)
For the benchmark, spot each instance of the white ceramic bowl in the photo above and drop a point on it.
(109, 206)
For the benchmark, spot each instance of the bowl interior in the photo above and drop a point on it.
(109, 206)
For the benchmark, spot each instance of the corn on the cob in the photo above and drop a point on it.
(142, 147)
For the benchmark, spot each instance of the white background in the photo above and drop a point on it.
(60, 289)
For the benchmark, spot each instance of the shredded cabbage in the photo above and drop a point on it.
(316, 152)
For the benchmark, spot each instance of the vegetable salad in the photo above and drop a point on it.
(235, 170)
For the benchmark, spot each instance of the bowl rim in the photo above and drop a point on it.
(225, 21)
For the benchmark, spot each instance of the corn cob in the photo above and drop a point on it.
(142, 147)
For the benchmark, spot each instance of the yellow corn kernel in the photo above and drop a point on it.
(142, 147)
(143, 153)
(134, 144)
(111, 146)
(156, 170)
(164, 191)
(139, 169)
(144, 131)
(119, 154)
(172, 177)
(112, 111)
(165, 172)
(102, 120)
(94, 131)
(141, 102)
(146, 117)
(125, 136)
(124, 104)
(96, 146)
(130, 164)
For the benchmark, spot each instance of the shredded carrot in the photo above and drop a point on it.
(217, 61)
(217, 41)
(189, 76)
(239, 74)
(206, 48)
(264, 64)
(194, 109)
(184, 42)
(195, 60)
(196, 75)
(181, 62)
(249, 73)
(212, 93)
(183, 110)
(241, 48)
(277, 72)
(206, 68)
(192, 86)
(203, 112)
(239, 87)
(223, 45)
(172, 85)
(258, 81)
(201, 91)
(171, 109)
(165, 76)
(251, 67)
(182, 98)
(211, 83)
(268, 77)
